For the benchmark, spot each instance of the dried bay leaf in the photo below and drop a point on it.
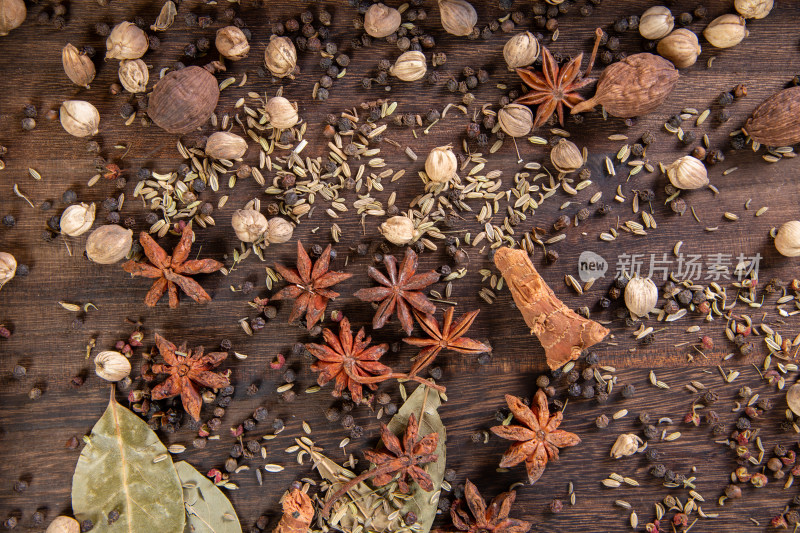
(124, 467)
(366, 502)
(424, 403)
(208, 510)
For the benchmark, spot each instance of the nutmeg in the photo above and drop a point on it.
(441, 165)
(133, 75)
(410, 66)
(641, 296)
(8, 267)
(515, 120)
(184, 99)
(566, 156)
(12, 14)
(280, 57)
(687, 173)
(521, 50)
(126, 41)
(398, 230)
(656, 23)
(381, 20)
(77, 219)
(109, 244)
(787, 241)
(726, 31)
(458, 16)
(633, 87)
(63, 524)
(225, 145)
(776, 122)
(753, 9)
(282, 113)
(232, 43)
(681, 47)
(249, 224)
(279, 230)
(112, 366)
(79, 118)
(78, 66)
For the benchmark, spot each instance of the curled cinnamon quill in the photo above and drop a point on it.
(562, 332)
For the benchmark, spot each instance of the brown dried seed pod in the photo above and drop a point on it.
(632, 87)
(458, 16)
(280, 57)
(77, 65)
(183, 99)
(681, 47)
(126, 41)
(12, 14)
(776, 122)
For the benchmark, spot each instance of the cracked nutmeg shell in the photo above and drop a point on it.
(753, 9)
(633, 87)
(79, 118)
(410, 66)
(726, 31)
(787, 241)
(249, 224)
(381, 20)
(225, 145)
(521, 50)
(681, 47)
(8, 267)
(77, 65)
(109, 244)
(566, 156)
(126, 41)
(184, 99)
(687, 173)
(133, 75)
(776, 122)
(232, 43)
(280, 57)
(515, 120)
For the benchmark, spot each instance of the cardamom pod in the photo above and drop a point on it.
(633, 87)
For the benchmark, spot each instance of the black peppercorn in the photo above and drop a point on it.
(575, 390)
(628, 390)
(658, 470)
(551, 256)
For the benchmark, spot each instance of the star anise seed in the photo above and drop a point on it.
(538, 439)
(450, 337)
(399, 292)
(310, 287)
(187, 369)
(171, 272)
(555, 87)
(348, 362)
(491, 519)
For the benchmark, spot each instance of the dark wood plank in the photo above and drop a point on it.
(34, 432)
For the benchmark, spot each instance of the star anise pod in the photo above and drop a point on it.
(187, 369)
(491, 519)
(538, 439)
(556, 87)
(400, 292)
(349, 362)
(171, 272)
(310, 287)
(450, 336)
(402, 459)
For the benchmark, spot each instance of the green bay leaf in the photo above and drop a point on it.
(208, 510)
(424, 403)
(124, 467)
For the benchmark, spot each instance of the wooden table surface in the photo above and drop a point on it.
(33, 433)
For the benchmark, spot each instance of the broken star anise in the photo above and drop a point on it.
(400, 292)
(400, 458)
(171, 272)
(450, 336)
(187, 369)
(349, 362)
(310, 287)
(555, 87)
(491, 519)
(538, 439)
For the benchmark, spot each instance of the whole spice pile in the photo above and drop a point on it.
(419, 180)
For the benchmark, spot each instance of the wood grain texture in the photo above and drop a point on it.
(33, 433)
